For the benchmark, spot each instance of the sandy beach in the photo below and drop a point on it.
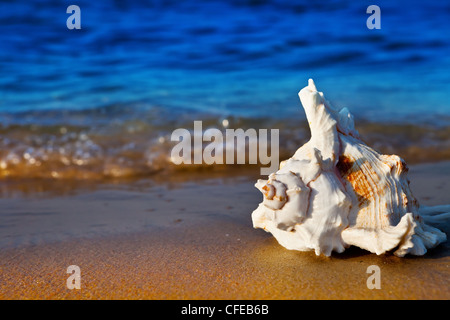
(195, 240)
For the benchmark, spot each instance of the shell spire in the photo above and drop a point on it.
(311, 85)
(336, 191)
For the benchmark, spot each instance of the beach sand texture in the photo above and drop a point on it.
(196, 242)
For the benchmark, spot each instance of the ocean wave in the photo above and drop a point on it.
(140, 146)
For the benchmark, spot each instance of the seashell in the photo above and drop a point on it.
(336, 191)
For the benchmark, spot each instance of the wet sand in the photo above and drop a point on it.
(196, 241)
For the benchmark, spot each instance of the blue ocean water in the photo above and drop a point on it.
(139, 69)
(244, 58)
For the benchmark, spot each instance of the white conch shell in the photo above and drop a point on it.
(336, 191)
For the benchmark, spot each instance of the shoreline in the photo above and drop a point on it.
(175, 243)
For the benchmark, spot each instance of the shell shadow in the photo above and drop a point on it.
(441, 251)
(351, 253)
